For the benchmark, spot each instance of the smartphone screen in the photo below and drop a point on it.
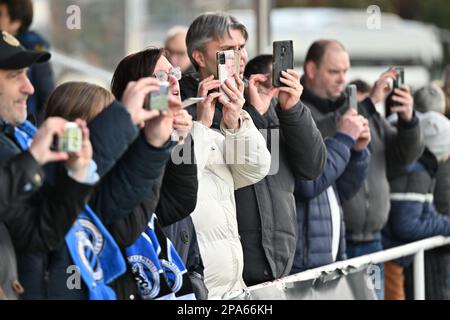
(352, 99)
(159, 100)
(227, 67)
(400, 78)
(283, 59)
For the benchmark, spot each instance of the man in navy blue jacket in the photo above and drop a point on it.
(321, 230)
(413, 216)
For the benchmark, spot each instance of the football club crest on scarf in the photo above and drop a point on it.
(157, 267)
(147, 270)
(90, 244)
(96, 254)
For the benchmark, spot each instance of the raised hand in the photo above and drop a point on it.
(78, 163)
(351, 124)
(364, 138)
(182, 123)
(383, 86)
(207, 107)
(232, 107)
(260, 100)
(42, 141)
(289, 96)
(134, 97)
(405, 103)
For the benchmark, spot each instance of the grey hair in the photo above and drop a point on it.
(175, 31)
(430, 98)
(210, 26)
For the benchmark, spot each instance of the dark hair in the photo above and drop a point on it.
(258, 65)
(318, 50)
(361, 85)
(20, 10)
(134, 67)
(210, 26)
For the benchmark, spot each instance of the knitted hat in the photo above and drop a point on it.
(429, 98)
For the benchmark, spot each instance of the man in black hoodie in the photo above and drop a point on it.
(326, 66)
(266, 210)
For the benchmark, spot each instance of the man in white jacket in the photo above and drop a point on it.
(228, 160)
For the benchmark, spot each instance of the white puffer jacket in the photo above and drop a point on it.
(226, 162)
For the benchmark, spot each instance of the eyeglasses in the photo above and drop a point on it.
(164, 76)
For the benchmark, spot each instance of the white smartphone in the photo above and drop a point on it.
(227, 67)
(190, 101)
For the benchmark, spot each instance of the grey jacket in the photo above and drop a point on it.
(391, 147)
(266, 210)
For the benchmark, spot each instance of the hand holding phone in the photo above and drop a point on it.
(70, 140)
(227, 67)
(400, 80)
(283, 59)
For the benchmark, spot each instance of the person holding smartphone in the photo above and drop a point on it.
(43, 213)
(326, 65)
(266, 210)
(131, 156)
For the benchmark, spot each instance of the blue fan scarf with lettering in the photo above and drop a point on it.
(92, 248)
(96, 254)
(159, 271)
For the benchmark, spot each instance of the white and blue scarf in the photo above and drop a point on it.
(159, 271)
(92, 248)
(96, 254)
(24, 134)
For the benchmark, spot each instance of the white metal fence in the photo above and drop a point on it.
(416, 248)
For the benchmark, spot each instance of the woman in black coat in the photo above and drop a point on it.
(178, 196)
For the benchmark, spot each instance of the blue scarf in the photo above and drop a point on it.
(91, 247)
(96, 254)
(24, 134)
(159, 271)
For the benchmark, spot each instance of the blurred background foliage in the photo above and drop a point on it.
(433, 11)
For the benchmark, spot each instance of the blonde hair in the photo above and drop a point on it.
(74, 100)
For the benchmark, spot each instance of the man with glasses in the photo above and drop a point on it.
(266, 210)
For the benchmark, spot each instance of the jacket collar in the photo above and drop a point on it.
(7, 128)
(321, 104)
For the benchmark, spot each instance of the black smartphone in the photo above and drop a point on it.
(400, 78)
(398, 82)
(283, 59)
(159, 100)
(352, 99)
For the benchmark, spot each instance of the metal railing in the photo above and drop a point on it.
(415, 248)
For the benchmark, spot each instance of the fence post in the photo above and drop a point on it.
(419, 275)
